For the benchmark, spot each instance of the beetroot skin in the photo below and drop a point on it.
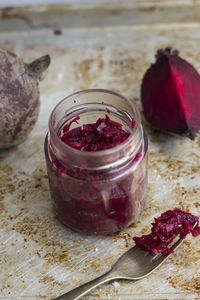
(170, 94)
(19, 96)
(166, 228)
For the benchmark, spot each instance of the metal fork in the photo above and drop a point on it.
(133, 265)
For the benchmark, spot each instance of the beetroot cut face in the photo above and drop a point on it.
(170, 94)
(170, 224)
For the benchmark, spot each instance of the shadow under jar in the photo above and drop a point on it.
(101, 191)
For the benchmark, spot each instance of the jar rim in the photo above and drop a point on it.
(99, 152)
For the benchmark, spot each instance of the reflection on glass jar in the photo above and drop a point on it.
(100, 191)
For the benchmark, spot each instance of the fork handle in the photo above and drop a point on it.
(87, 287)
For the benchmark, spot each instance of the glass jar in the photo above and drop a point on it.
(102, 191)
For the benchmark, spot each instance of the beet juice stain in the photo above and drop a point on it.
(97, 171)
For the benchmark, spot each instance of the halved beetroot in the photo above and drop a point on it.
(170, 94)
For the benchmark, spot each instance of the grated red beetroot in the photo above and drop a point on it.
(103, 134)
(170, 224)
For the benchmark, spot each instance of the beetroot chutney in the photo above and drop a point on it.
(97, 164)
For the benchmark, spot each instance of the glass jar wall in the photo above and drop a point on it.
(102, 191)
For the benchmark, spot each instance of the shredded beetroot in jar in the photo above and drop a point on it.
(97, 201)
(170, 224)
(103, 134)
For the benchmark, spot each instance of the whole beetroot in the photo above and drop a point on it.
(170, 94)
(19, 96)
